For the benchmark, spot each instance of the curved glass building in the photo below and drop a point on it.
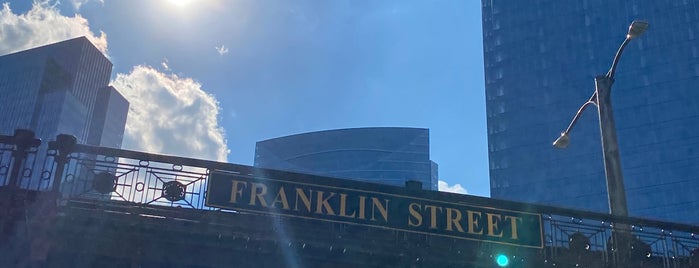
(388, 155)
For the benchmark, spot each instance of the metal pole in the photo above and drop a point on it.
(616, 192)
(64, 146)
(23, 140)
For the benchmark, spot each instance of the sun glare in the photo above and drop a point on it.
(179, 3)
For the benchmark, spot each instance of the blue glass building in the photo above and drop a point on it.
(109, 118)
(61, 88)
(541, 58)
(389, 155)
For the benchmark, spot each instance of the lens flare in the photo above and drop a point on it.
(180, 3)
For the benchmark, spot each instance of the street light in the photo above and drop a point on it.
(610, 148)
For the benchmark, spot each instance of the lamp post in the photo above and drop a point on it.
(616, 193)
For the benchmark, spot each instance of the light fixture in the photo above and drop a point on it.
(637, 28)
(562, 141)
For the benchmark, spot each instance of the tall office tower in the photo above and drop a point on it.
(61, 88)
(56, 89)
(541, 58)
(389, 155)
(108, 119)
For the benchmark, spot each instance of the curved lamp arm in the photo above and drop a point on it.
(636, 28)
(563, 141)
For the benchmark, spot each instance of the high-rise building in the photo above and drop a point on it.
(61, 88)
(541, 58)
(389, 155)
(108, 119)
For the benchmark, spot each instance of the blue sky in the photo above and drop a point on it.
(262, 69)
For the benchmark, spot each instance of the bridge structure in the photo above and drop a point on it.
(64, 204)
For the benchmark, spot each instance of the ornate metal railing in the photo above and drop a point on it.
(18, 160)
(586, 241)
(572, 238)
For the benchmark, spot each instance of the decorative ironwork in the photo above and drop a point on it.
(571, 237)
(174, 191)
(18, 156)
(104, 183)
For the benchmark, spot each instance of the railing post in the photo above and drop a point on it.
(63, 145)
(22, 141)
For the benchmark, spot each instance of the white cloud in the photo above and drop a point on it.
(221, 50)
(78, 3)
(167, 114)
(41, 25)
(443, 186)
(170, 115)
(165, 65)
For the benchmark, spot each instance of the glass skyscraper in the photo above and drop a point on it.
(388, 155)
(541, 58)
(108, 118)
(61, 88)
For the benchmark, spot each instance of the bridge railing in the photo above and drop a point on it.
(571, 237)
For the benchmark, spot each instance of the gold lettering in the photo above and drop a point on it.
(454, 220)
(237, 192)
(343, 207)
(513, 224)
(473, 222)
(493, 221)
(415, 214)
(255, 195)
(433, 215)
(362, 207)
(382, 209)
(323, 203)
(281, 198)
(304, 198)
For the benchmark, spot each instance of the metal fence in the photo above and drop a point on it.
(572, 238)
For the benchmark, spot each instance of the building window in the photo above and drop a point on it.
(501, 91)
(498, 57)
(690, 34)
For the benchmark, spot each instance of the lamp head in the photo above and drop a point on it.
(637, 28)
(562, 141)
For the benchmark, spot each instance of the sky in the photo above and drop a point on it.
(209, 78)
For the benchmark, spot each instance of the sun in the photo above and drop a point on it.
(179, 3)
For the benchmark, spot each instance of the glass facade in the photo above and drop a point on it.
(541, 58)
(109, 118)
(54, 89)
(387, 155)
(60, 88)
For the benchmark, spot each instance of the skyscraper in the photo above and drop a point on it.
(389, 155)
(108, 119)
(61, 88)
(541, 58)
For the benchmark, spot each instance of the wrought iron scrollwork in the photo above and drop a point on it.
(174, 191)
(104, 183)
